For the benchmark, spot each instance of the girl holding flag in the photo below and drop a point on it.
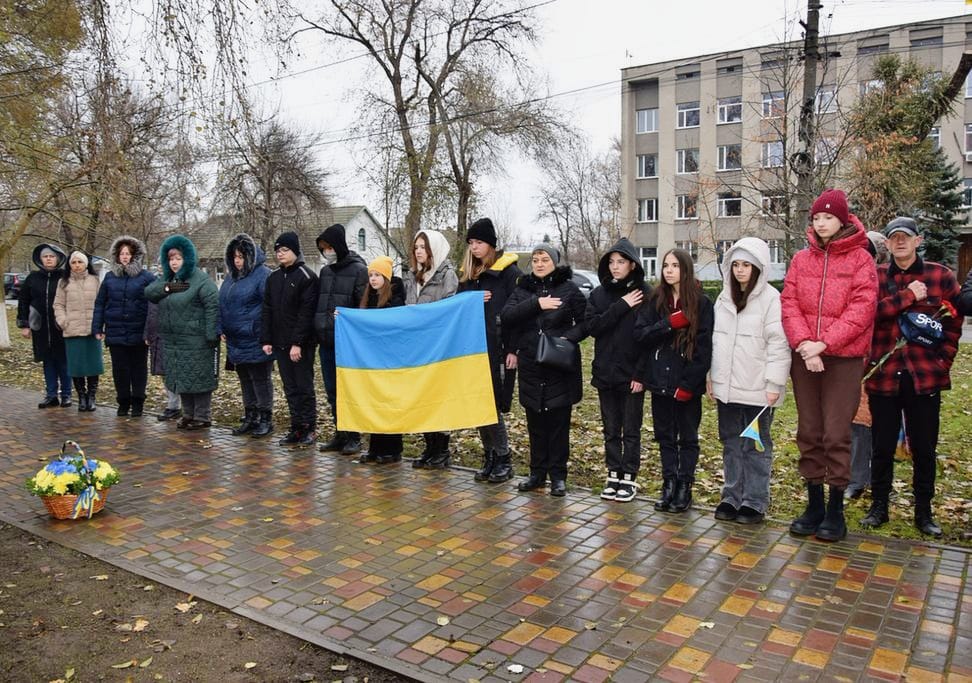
(750, 366)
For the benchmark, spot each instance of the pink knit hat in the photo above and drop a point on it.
(833, 202)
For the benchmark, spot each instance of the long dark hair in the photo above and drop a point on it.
(383, 294)
(740, 295)
(421, 270)
(689, 295)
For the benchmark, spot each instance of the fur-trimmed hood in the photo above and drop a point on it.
(134, 267)
(188, 249)
(61, 256)
(253, 255)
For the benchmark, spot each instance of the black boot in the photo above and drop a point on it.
(138, 406)
(248, 423)
(92, 391)
(807, 523)
(308, 435)
(292, 437)
(877, 515)
(264, 424)
(439, 460)
(833, 528)
(924, 521)
(482, 474)
(682, 500)
(78, 383)
(535, 481)
(336, 443)
(667, 493)
(502, 468)
(352, 445)
(123, 407)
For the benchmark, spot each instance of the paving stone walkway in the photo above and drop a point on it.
(438, 577)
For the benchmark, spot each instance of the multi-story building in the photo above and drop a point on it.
(708, 142)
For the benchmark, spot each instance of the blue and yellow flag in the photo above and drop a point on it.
(752, 431)
(413, 369)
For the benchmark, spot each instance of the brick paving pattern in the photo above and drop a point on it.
(435, 576)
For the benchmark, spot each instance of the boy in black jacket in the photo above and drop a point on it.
(289, 302)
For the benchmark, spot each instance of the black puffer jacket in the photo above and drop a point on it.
(668, 368)
(541, 387)
(121, 308)
(35, 307)
(618, 358)
(289, 301)
(397, 295)
(342, 283)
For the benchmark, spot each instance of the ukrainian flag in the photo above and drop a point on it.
(413, 369)
(752, 431)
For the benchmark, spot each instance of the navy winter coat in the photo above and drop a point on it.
(121, 307)
(241, 302)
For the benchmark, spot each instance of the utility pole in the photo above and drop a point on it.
(802, 161)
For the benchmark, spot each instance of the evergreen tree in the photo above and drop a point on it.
(941, 213)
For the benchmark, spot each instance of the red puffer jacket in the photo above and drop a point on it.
(830, 293)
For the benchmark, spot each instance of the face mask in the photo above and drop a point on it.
(330, 257)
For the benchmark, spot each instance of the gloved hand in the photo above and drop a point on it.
(683, 394)
(678, 320)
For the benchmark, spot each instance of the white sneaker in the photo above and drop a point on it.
(611, 487)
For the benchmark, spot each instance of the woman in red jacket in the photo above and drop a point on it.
(829, 302)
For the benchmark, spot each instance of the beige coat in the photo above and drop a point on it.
(74, 304)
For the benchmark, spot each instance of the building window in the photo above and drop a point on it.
(774, 105)
(687, 161)
(967, 194)
(685, 207)
(927, 42)
(722, 246)
(361, 240)
(875, 85)
(688, 115)
(772, 154)
(647, 121)
(775, 250)
(647, 165)
(826, 152)
(826, 100)
(968, 85)
(730, 157)
(872, 49)
(935, 135)
(647, 210)
(690, 246)
(649, 257)
(968, 140)
(773, 204)
(728, 204)
(730, 110)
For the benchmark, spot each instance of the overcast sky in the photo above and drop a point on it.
(584, 45)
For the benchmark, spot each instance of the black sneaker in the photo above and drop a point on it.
(748, 515)
(610, 491)
(66, 402)
(351, 447)
(49, 403)
(169, 414)
(725, 512)
(625, 493)
(292, 437)
(306, 437)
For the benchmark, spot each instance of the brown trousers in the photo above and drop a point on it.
(826, 403)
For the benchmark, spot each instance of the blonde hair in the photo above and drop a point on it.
(473, 267)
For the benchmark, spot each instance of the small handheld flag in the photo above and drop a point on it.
(752, 431)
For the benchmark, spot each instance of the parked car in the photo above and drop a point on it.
(11, 284)
(586, 281)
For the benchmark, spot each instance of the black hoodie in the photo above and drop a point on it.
(35, 307)
(618, 359)
(342, 283)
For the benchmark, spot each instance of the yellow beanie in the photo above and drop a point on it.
(383, 265)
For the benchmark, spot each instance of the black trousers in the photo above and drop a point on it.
(921, 415)
(129, 370)
(549, 432)
(385, 444)
(676, 426)
(298, 382)
(256, 384)
(621, 416)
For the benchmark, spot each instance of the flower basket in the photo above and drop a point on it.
(73, 486)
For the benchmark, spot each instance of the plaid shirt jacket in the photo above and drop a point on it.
(929, 367)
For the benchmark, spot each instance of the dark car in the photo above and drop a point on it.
(11, 284)
(586, 281)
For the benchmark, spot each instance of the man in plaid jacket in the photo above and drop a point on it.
(909, 376)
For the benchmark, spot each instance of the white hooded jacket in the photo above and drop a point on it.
(439, 284)
(750, 354)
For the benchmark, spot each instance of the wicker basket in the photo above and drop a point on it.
(62, 507)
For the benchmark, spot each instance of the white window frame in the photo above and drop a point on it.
(644, 215)
(873, 85)
(649, 261)
(767, 201)
(721, 247)
(730, 110)
(686, 207)
(642, 163)
(646, 121)
(935, 135)
(968, 85)
(682, 157)
(691, 246)
(826, 152)
(725, 155)
(968, 139)
(825, 101)
(767, 157)
(774, 104)
(775, 250)
(684, 115)
(967, 194)
(362, 240)
(722, 203)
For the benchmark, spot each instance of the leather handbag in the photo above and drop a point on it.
(555, 352)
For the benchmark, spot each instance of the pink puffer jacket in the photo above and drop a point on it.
(830, 293)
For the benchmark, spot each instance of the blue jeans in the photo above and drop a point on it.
(747, 471)
(56, 370)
